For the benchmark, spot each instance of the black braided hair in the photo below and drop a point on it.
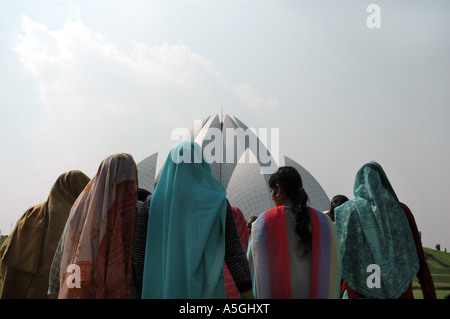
(290, 181)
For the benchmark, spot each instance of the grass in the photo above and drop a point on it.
(438, 261)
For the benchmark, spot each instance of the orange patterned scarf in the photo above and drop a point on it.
(100, 235)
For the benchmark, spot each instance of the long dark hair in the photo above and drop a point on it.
(290, 181)
(336, 201)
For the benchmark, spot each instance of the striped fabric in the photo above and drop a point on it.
(326, 270)
(269, 256)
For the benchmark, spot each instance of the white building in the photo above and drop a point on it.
(241, 162)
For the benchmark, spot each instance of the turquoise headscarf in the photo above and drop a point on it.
(373, 229)
(185, 246)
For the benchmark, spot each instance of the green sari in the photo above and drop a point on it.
(373, 230)
(185, 246)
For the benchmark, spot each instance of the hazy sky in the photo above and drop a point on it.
(81, 80)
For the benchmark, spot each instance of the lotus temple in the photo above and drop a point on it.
(241, 162)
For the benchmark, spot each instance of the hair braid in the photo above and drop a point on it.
(290, 181)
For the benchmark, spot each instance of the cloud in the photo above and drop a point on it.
(96, 97)
(253, 99)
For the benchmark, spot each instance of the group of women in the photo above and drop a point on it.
(106, 238)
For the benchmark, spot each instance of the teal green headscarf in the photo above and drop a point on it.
(373, 229)
(185, 246)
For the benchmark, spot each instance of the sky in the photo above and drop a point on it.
(344, 83)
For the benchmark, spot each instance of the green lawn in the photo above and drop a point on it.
(439, 263)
